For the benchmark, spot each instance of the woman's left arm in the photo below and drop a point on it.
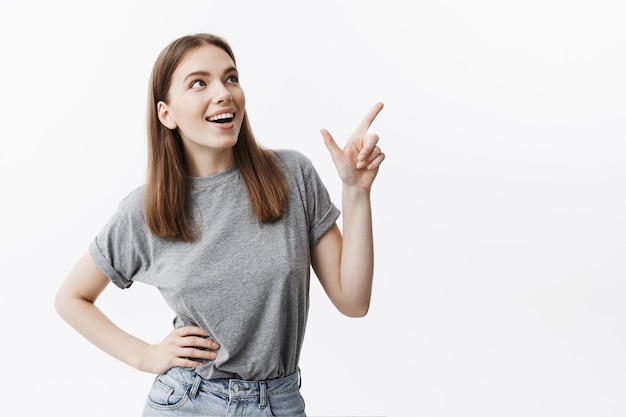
(344, 263)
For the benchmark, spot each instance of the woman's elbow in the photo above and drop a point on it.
(60, 303)
(355, 311)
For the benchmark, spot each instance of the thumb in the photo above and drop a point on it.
(330, 143)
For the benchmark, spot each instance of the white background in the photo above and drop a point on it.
(499, 212)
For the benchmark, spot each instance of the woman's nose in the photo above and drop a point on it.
(221, 93)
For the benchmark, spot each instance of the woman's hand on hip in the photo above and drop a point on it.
(182, 347)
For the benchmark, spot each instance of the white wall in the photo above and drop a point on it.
(499, 212)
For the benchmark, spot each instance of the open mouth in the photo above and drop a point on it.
(221, 118)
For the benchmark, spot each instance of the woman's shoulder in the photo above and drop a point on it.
(133, 201)
(127, 216)
(295, 160)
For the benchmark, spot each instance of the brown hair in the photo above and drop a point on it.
(167, 211)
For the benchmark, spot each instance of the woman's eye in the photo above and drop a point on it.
(198, 84)
(232, 79)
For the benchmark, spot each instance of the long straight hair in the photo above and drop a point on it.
(166, 208)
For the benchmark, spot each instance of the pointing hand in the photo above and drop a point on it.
(358, 162)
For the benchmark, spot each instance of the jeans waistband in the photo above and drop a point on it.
(236, 388)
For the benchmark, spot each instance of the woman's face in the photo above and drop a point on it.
(206, 103)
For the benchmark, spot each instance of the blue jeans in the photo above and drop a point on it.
(182, 392)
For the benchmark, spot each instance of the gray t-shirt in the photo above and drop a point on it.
(244, 283)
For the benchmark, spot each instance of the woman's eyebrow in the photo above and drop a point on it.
(208, 74)
(197, 74)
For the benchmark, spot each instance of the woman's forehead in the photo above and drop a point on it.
(206, 57)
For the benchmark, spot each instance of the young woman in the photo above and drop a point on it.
(227, 231)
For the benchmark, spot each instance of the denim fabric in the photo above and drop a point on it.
(182, 392)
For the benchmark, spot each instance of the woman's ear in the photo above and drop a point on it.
(165, 116)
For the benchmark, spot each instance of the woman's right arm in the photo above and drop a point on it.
(75, 303)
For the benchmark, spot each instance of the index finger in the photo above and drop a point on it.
(368, 119)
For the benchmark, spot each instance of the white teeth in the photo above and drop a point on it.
(221, 116)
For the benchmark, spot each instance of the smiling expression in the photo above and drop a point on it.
(206, 104)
